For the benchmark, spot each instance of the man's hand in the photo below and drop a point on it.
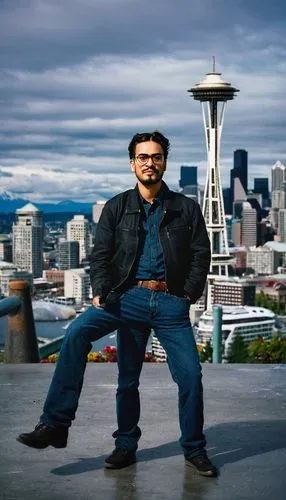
(96, 301)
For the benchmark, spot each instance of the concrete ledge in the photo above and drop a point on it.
(245, 410)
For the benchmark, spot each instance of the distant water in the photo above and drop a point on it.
(53, 329)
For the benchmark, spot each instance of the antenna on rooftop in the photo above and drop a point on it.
(213, 64)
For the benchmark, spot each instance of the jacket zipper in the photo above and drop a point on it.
(168, 236)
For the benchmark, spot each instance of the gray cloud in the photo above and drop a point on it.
(79, 78)
(5, 174)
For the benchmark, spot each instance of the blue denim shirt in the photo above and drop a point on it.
(150, 255)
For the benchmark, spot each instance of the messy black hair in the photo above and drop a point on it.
(149, 136)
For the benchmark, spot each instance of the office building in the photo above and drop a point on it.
(249, 227)
(189, 176)
(6, 252)
(278, 177)
(77, 285)
(9, 272)
(263, 260)
(55, 276)
(261, 187)
(78, 230)
(233, 292)
(189, 182)
(236, 232)
(240, 170)
(68, 255)
(28, 240)
(282, 225)
(96, 210)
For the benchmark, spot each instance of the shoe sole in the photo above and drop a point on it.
(207, 473)
(41, 446)
(112, 466)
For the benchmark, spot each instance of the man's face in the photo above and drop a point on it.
(149, 164)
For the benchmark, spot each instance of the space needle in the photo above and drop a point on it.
(213, 92)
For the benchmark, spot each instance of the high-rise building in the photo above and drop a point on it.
(236, 232)
(249, 226)
(96, 210)
(189, 176)
(240, 170)
(77, 285)
(6, 250)
(189, 182)
(233, 292)
(28, 233)
(68, 255)
(11, 274)
(227, 200)
(261, 186)
(78, 230)
(282, 224)
(278, 176)
(263, 260)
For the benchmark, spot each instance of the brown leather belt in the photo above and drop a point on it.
(158, 286)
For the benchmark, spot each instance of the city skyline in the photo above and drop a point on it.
(79, 79)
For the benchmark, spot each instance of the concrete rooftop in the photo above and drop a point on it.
(245, 422)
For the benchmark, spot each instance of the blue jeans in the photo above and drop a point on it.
(135, 313)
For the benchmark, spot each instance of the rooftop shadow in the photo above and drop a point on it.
(228, 442)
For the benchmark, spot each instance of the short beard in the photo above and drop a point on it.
(150, 181)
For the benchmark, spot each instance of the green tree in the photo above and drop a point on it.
(268, 351)
(238, 351)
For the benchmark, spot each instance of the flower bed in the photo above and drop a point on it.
(107, 355)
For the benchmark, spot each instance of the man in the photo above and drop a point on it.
(149, 263)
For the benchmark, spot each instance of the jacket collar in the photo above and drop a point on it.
(170, 200)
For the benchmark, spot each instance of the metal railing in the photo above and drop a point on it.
(21, 344)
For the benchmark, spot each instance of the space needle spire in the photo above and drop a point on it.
(213, 92)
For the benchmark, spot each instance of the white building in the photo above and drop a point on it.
(8, 272)
(282, 224)
(278, 177)
(78, 230)
(249, 227)
(28, 234)
(264, 260)
(77, 285)
(96, 210)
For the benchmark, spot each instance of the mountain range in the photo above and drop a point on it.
(9, 204)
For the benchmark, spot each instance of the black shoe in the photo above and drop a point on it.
(45, 435)
(202, 464)
(119, 458)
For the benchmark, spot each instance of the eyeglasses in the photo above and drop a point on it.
(157, 158)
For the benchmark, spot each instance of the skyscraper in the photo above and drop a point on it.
(68, 255)
(240, 170)
(189, 176)
(261, 187)
(189, 182)
(78, 230)
(278, 176)
(28, 232)
(282, 224)
(248, 226)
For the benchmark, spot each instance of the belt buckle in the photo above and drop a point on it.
(152, 284)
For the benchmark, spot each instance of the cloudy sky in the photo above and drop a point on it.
(79, 77)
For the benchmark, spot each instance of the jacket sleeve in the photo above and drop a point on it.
(200, 256)
(103, 251)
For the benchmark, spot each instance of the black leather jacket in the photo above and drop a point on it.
(182, 234)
